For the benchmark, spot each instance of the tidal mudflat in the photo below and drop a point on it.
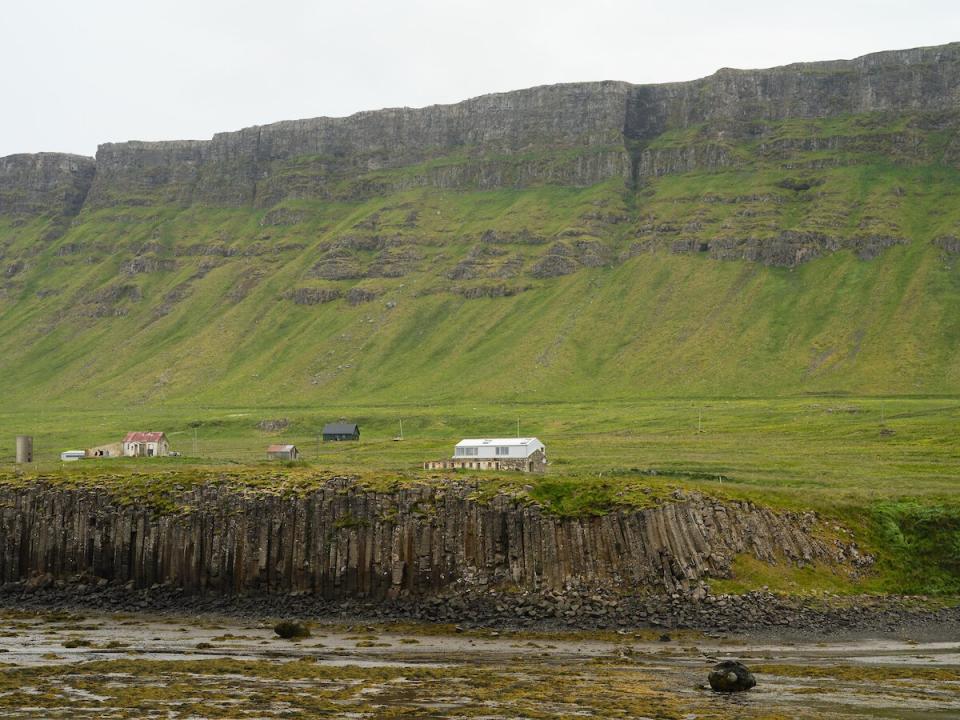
(135, 666)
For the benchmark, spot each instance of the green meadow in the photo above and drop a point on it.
(835, 446)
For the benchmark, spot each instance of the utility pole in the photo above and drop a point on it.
(518, 428)
(699, 420)
(195, 452)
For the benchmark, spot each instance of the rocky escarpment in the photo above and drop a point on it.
(311, 158)
(788, 248)
(904, 106)
(895, 81)
(575, 134)
(51, 184)
(341, 541)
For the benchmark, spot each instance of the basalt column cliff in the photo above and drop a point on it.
(341, 541)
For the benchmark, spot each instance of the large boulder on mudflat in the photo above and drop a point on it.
(291, 630)
(731, 676)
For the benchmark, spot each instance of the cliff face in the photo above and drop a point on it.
(252, 165)
(919, 79)
(51, 184)
(341, 541)
(576, 134)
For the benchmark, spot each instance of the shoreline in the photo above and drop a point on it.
(754, 615)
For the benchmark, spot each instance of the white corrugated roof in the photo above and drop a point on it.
(483, 442)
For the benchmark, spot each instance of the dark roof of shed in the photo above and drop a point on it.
(340, 428)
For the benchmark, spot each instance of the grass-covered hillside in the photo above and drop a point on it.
(812, 256)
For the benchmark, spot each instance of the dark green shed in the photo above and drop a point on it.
(341, 431)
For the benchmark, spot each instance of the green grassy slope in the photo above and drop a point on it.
(652, 325)
(429, 294)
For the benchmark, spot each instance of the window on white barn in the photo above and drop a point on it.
(503, 450)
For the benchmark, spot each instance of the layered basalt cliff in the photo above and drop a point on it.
(574, 134)
(896, 81)
(341, 541)
(252, 166)
(578, 134)
(51, 184)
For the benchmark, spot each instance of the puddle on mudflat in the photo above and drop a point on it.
(147, 667)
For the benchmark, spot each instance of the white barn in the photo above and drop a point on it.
(524, 454)
(497, 448)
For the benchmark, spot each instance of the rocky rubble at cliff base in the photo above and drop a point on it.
(574, 608)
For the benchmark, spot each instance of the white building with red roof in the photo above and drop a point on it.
(146, 444)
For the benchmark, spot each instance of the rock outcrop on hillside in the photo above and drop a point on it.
(341, 541)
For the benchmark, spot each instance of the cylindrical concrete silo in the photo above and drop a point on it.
(24, 448)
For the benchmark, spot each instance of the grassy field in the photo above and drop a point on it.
(804, 447)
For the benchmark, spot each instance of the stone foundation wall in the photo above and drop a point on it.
(537, 462)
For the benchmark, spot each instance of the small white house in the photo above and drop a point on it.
(146, 444)
(72, 455)
(497, 448)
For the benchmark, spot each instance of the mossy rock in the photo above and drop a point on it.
(291, 630)
(731, 676)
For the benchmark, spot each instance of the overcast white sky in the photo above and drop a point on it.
(76, 73)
